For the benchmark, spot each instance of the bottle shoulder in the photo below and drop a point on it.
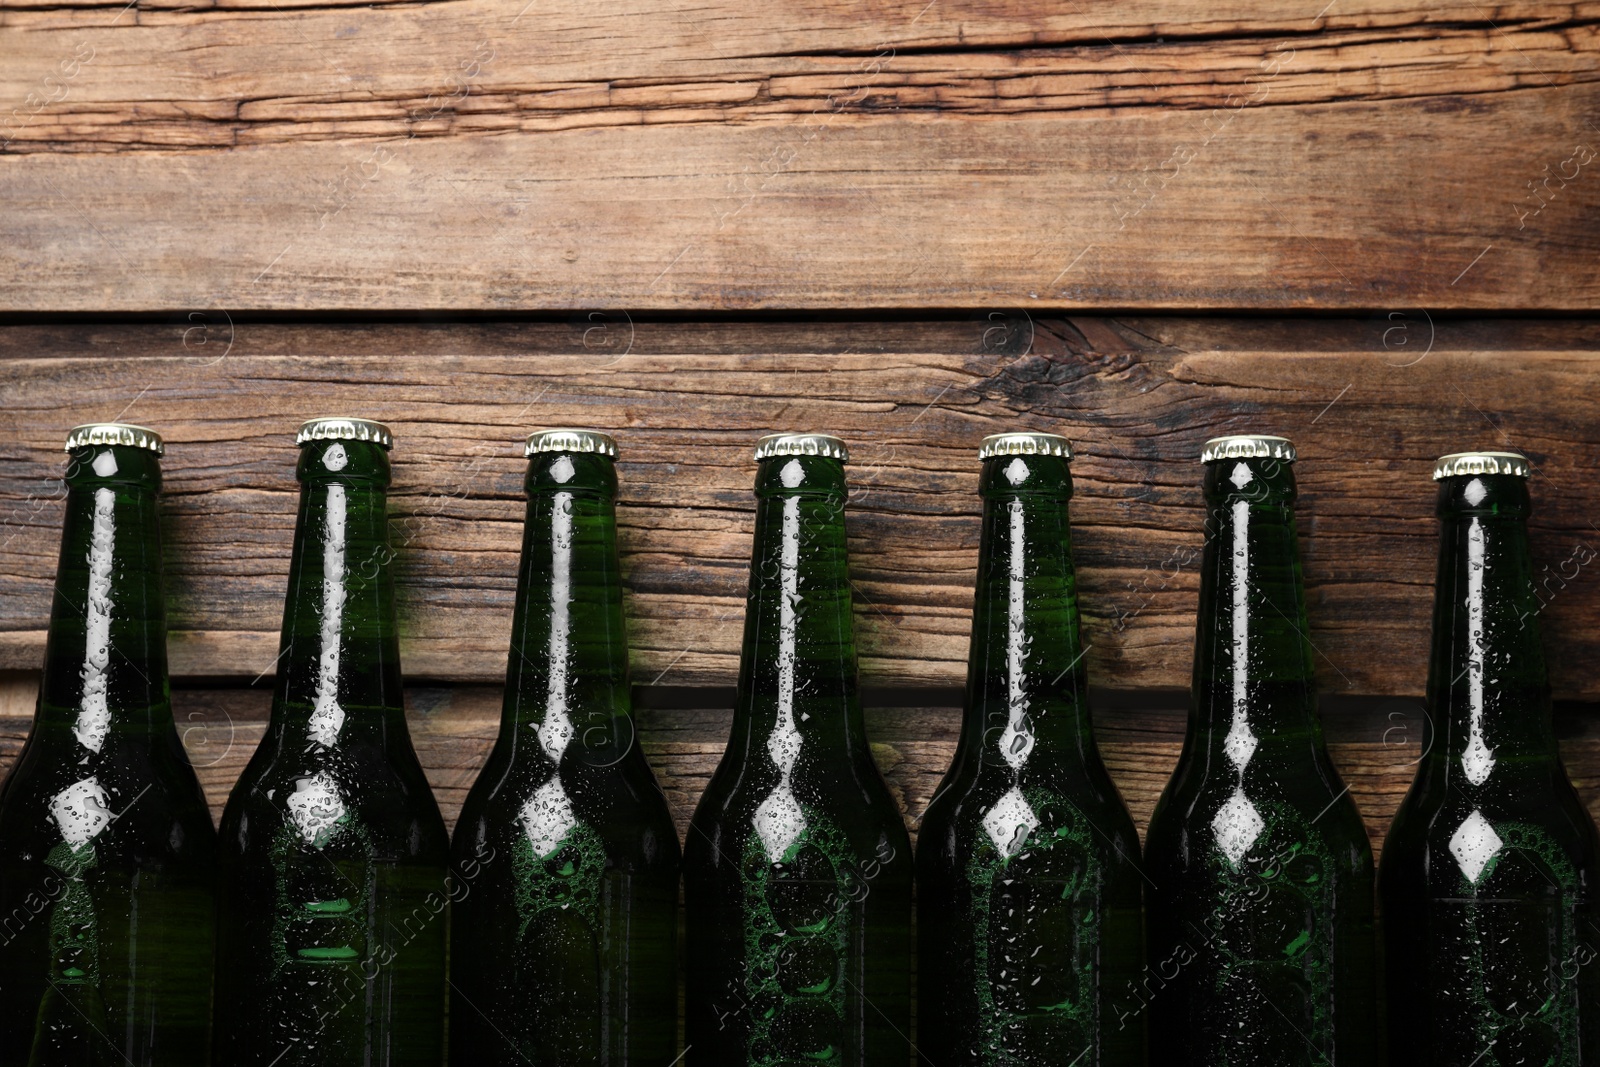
(1201, 832)
(1209, 776)
(1052, 794)
(357, 795)
(851, 790)
(1443, 819)
(132, 806)
(626, 809)
(1029, 833)
(856, 818)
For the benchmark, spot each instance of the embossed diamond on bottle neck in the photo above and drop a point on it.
(1237, 825)
(1474, 844)
(1010, 821)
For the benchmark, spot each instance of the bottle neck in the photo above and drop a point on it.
(106, 653)
(1026, 680)
(797, 672)
(1488, 691)
(339, 656)
(1254, 684)
(567, 678)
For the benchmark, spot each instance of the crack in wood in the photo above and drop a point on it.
(1443, 62)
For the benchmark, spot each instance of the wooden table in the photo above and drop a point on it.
(1141, 224)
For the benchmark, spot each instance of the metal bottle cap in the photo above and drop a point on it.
(1025, 444)
(1248, 446)
(337, 428)
(571, 441)
(1480, 463)
(802, 444)
(114, 433)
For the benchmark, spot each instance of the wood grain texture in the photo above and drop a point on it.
(1374, 746)
(1369, 402)
(498, 155)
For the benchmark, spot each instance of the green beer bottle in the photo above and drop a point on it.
(1028, 884)
(1489, 872)
(797, 868)
(333, 894)
(565, 923)
(106, 843)
(1260, 905)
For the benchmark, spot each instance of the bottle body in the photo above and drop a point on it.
(1488, 886)
(106, 882)
(564, 938)
(1029, 915)
(1260, 946)
(797, 867)
(106, 843)
(334, 896)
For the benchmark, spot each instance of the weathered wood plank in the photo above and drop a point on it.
(239, 92)
(493, 155)
(1137, 397)
(1375, 746)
